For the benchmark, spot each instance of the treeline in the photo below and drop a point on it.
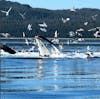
(16, 24)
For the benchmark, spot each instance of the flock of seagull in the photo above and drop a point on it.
(43, 26)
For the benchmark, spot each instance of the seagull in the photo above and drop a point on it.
(73, 9)
(88, 48)
(94, 29)
(86, 23)
(77, 32)
(7, 12)
(5, 35)
(32, 48)
(71, 34)
(56, 34)
(56, 37)
(55, 40)
(61, 46)
(94, 17)
(80, 30)
(43, 29)
(97, 33)
(29, 27)
(26, 40)
(75, 41)
(68, 42)
(43, 24)
(23, 34)
(65, 20)
(22, 15)
(80, 39)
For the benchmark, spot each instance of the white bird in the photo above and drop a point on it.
(26, 42)
(6, 35)
(22, 15)
(78, 33)
(43, 24)
(94, 17)
(86, 23)
(56, 39)
(23, 34)
(94, 29)
(88, 48)
(7, 12)
(43, 29)
(32, 48)
(61, 46)
(68, 42)
(97, 34)
(73, 9)
(74, 41)
(56, 34)
(29, 27)
(71, 34)
(65, 20)
(80, 39)
(80, 30)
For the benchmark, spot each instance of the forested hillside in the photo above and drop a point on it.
(23, 18)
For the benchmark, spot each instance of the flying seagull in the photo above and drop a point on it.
(80, 30)
(26, 40)
(88, 48)
(43, 24)
(23, 34)
(56, 34)
(43, 29)
(65, 20)
(86, 23)
(6, 35)
(94, 17)
(29, 27)
(73, 9)
(94, 29)
(22, 15)
(7, 12)
(97, 33)
(71, 34)
(56, 40)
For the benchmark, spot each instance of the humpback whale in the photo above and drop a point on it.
(7, 49)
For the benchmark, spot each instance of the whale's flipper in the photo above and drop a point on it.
(7, 49)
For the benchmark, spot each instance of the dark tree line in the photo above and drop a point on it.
(16, 25)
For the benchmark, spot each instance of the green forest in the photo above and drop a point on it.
(23, 18)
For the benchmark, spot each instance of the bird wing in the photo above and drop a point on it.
(3, 11)
(9, 9)
(43, 29)
(43, 25)
(22, 15)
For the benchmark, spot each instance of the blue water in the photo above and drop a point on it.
(51, 78)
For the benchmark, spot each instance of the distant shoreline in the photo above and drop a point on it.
(20, 38)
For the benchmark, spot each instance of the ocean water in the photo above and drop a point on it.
(51, 78)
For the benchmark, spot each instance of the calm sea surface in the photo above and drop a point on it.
(51, 78)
